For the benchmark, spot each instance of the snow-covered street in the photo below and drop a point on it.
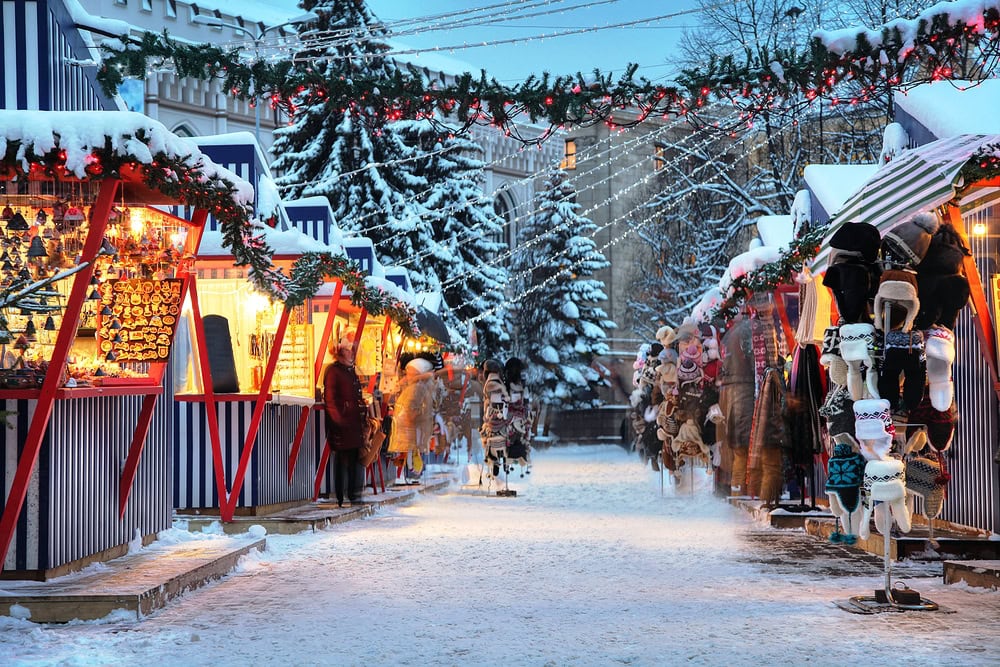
(589, 565)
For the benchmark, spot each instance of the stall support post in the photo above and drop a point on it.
(258, 412)
(156, 371)
(324, 341)
(209, 393)
(57, 364)
(984, 324)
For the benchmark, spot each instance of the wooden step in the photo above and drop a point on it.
(135, 584)
(779, 517)
(953, 540)
(979, 573)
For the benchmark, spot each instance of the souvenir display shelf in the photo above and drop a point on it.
(133, 297)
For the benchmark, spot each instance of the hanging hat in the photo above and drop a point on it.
(851, 284)
(419, 367)
(873, 427)
(845, 475)
(885, 482)
(940, 349)
(940, 424)
(855, 239)
(692, 351)
(910, 241)
(831, 345)
(897, 287)
(688, 371)
(665, 335)
(924, 478)
(685, 332)
(945, 254)
(856, 343)
(37, 247)
(838, 411)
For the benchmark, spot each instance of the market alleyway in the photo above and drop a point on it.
(589, 565)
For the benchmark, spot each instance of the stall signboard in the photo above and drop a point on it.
(138, 318)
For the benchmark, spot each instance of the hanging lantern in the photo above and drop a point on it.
(8, 212)
(116, 324)
(29, 329)
(50, 324)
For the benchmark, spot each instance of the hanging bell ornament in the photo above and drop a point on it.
(37, 248)
(29, 329)
(17, 223)
(50, 324)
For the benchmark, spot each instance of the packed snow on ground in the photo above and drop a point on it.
(593, 563)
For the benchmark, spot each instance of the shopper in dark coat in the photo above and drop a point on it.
(346, 414)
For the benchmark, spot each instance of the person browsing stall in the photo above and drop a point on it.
(346, 414)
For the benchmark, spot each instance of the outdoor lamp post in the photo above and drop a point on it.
(257, 38)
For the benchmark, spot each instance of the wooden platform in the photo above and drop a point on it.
(953, 541)
(779, 517)
(135, 584)
(319, 514)
(980, 573)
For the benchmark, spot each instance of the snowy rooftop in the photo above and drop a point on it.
(79, 132)
(775, 230)
(833, 184)
(287, 242)
(950, 108)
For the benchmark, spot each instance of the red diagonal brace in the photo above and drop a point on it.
(57, 364)
(258, 412)
(338, 288)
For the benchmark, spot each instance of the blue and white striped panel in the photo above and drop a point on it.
(71, 510)
(274, 443)
(313, 221)
(974, 490)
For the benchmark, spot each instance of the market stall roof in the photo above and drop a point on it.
(131, 137)
(950, 108)
(283, 243)
(775, 230)
(832, 184)
(920, 179)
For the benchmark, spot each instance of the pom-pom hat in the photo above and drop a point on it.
(911, 240)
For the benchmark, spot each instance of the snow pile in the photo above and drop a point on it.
(801, 211)
(950, 108)
(290, 242)
(895, 140)
(78, 133)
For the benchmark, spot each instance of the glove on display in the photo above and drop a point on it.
(904, 354)
(856, 342)
(884, 497)
(940, 347)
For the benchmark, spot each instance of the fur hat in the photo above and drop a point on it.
(897, 287)
(941, 299)
(665, 335)
(910, 241)
(855, 239)
(419, 367)
(940, 347)
(924, 478)
(873, 427)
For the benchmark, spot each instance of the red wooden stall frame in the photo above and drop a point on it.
(338, 288)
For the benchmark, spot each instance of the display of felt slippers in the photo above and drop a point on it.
(940, 348)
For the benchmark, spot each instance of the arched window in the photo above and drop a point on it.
(504, 207)
(183, 130)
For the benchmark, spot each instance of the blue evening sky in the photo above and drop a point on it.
(651, 45)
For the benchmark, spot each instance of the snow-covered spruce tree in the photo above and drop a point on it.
(461, 222)
(560, 329)
(325, 149)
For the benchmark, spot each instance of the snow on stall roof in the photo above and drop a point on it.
(775, 230)
(432, 301)
(336, 233)
(950, 108)
(390, 288)
(281, 242)
(270, 12)
(78, 132)
(268, 198)
(833, 184)
(85, 20)
(709, 300)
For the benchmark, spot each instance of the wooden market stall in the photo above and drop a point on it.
(87, 459)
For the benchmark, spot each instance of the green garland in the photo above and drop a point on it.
(770, 276)
(750, 82)
(189, 184)
(983, 164)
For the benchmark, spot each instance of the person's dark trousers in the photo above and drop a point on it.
(345, 474)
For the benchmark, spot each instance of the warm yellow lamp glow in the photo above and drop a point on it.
(979, 229)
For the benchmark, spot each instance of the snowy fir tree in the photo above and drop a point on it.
(560, 329)
(444, 175)
(402, 184)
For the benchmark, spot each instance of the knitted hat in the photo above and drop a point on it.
(940, 424)
(688, 371)
(898, 288)
(873, 427)
(838, 410)
(924, 478)
(419, 367)
(910, 241)
(858, 239)
(831, 345)
(885, 482)
(940, 348)
(688, 440)
(845, 475)
(686, 332)
(856, 343)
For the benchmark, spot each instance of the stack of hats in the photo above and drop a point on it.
(873, 427)
(941, 282)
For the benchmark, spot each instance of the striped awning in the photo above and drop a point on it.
(919, 179)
